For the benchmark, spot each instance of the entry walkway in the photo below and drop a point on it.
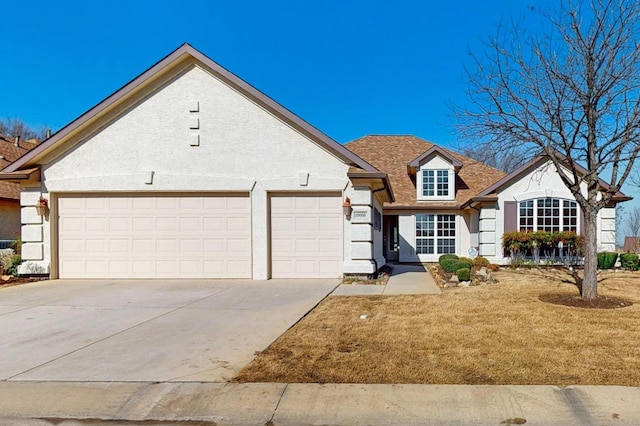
(405, 279)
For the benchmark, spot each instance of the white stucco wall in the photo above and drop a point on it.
(194, 134)
(541, 182)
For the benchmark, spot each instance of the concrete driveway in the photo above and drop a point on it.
(138, 330)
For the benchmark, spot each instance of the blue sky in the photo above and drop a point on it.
(348, 67)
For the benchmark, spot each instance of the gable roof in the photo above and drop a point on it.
(185, 54)
(435, 149)
(10, 151)
(537, 161)
(392, 154)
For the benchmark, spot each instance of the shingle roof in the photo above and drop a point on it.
(391, 154)
(10, 152)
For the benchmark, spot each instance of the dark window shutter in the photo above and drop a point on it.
(510, 216)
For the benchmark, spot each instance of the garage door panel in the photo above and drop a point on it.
(154, 237)
(306, 236)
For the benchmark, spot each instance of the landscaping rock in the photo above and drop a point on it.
(6, 277)
(464, 284)
(454, 279)
(451, 284)
(483, 273)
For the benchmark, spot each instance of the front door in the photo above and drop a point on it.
(391, 238)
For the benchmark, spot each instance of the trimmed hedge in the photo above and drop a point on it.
(522, 241)
(607, 259)
(630, 261)
(464, 274)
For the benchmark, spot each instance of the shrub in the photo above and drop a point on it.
(607, 259)
(16, 260)
(453, 265)
(629, 261)
(521, 242)
(446, 258)
(480, 261)
(493, 267)
(464, 274)
(466, 259)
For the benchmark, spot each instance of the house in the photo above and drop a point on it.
(449, 203)
(11, 148)
(189, 172)
(631, 245)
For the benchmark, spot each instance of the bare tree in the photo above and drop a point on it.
(633, 226)
(507, 161)
(569, 89)
(16, 127)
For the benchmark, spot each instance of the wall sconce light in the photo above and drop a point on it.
(42, 206)
(346, 208)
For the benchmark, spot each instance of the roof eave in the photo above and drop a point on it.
(28, 175)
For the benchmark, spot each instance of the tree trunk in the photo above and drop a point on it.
(589, 288)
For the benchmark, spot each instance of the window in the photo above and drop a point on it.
(545, 214)
(435, 183)
(435, 234)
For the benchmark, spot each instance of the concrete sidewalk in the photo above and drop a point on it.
(405, 279)
(67, 403)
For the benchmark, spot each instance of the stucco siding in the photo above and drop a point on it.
(195, 134)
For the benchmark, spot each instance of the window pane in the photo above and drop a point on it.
(428, 183)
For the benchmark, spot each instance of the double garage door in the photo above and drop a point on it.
(141, 236)
(194, 236)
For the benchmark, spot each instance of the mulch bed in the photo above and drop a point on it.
(602, 302)
(13, 281)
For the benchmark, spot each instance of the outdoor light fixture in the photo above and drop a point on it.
(42, 206)
(346, 208)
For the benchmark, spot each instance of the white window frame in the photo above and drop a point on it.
(449, 182)
(534, 216)
(435, 230)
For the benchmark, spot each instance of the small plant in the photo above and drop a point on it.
(466, 259)
(607, 259)
(630, 261)
(16, 260)
(446, 258)
(517, 261)
(493, 267)
(480, 261)
(464, 274)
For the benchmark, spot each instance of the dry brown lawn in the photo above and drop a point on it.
(495, 334)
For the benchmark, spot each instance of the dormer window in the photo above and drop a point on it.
(435, 183)
(435, 175)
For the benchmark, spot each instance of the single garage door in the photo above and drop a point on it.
(154, 236)
(306, 236)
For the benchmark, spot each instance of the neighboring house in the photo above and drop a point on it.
(631, 245)
(449, 203)
(11, 149)
(188, 171)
